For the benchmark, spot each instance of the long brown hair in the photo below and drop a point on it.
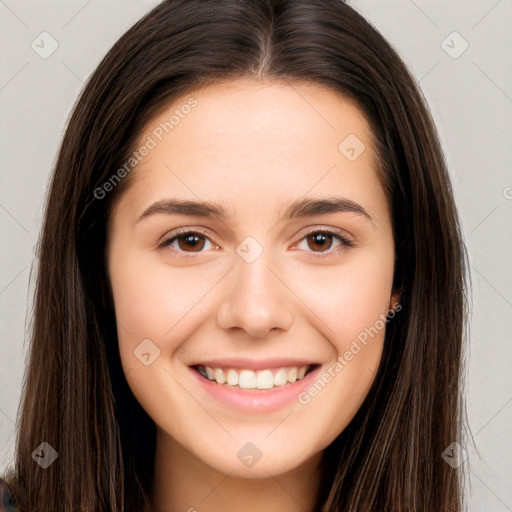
(75, 396)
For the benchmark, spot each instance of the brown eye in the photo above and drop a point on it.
(188, 242)
(320, 241)
(192, 241)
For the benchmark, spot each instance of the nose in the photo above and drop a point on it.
(256, 300)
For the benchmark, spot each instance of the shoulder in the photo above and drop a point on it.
(7, 502)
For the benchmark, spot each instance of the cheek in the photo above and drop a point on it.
(152, 299)
(151, 303)
(350, 298)
(352, 301)
(156, 308)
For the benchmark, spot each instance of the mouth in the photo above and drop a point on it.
(254, 387)
(247, 379)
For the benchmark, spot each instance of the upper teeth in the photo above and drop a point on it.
(249, 379)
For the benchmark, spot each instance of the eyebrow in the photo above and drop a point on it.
(297, 209)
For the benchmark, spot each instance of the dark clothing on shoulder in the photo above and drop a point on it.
(7, 501)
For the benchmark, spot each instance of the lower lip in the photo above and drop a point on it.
(256, 400)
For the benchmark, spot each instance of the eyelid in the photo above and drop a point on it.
(346, 241)
(182, 231)
(309, 230)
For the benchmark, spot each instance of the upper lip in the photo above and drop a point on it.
(254, 364)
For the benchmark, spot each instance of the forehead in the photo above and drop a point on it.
(260, 116)
(252, 141)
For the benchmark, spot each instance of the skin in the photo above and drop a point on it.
(254, 147)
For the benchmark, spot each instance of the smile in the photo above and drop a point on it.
(266, 389)
(267, 378)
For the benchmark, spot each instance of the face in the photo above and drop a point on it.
(287, 270)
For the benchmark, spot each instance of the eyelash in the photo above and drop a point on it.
(345, 241)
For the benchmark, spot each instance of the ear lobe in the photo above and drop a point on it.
(394, 302)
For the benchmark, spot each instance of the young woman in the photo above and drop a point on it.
(251, 290)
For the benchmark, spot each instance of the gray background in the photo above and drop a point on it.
(471, 100)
